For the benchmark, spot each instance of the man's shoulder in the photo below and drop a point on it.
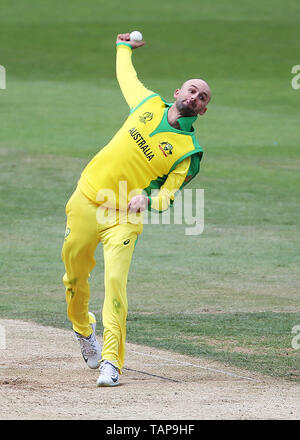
(152, 99)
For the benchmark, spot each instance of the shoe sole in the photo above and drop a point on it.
(102, 384)
(93, 366)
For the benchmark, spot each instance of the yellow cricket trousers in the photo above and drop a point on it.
(83, 234)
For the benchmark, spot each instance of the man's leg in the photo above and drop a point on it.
(78, 256)
(118, 246)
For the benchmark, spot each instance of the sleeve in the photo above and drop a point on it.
(167, 192)
(132, 88)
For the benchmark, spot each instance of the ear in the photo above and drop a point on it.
(203, 111)
(176, 93)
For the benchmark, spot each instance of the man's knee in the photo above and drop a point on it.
(70, 253)
(114, 278)
(78, 257)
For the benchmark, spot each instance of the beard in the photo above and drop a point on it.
(185, 110)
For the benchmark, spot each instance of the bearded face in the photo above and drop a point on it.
(192, 98)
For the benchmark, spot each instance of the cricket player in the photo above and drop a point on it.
(156, 148)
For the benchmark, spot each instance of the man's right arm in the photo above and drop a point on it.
(132, 88)
(167, 192)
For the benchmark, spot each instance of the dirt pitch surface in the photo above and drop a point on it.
(43, 376)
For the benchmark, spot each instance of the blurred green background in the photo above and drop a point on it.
(231, 293)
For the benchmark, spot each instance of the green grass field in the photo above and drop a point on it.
(230, 294)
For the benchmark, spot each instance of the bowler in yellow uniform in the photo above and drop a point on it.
(156, 148)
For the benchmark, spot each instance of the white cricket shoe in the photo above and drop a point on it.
(90, 347)
(109, 375)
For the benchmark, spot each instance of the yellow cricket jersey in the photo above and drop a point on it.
(146, 153)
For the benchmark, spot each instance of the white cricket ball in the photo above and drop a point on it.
(136, 36)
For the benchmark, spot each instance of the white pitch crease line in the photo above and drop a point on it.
(195, 366)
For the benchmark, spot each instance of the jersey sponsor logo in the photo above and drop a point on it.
(166, 148)
(142, 144)
(146, 117)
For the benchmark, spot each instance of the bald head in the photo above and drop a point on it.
(200, 84)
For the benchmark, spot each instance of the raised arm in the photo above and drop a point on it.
(132, 88)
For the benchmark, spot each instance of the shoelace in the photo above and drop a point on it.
(108, 365)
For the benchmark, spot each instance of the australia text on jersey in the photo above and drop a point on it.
(142, 144)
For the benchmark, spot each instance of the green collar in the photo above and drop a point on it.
(185, 123)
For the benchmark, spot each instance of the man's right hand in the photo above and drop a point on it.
(138, 203)
(125, 38)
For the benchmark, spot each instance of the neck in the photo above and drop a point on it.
(179, 121)
(173, 116)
